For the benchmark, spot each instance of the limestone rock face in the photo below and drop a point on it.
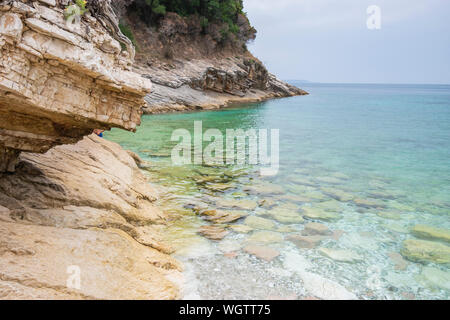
(85, 205)
(210, 83)
(431, 233)
(58, 82)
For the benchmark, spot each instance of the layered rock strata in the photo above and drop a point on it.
(59, 81)
(183, 85)
(86, 211)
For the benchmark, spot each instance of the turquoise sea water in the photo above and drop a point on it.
(369, 162)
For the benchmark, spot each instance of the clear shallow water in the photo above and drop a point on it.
(340, 147)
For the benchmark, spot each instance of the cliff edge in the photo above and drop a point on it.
(77, 216)
(58, 81)
(196, 57)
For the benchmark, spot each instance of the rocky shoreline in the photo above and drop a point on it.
(204, 84)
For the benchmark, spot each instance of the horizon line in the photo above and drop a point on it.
(372, 83)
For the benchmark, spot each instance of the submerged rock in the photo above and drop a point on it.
(431, 233)
(369, 203)
(328, 180)
(159, 154)
(218, 187)
(229, 245)
(389, 215)
(426, 251)
(265, 237)
(238, 194)
(401, 206)
(293, 198)
(319, 214)
(207, 179)
(307, 242)
(286, 229)
(267, 203)
(338, 194)
(259, 223)
(340, 255)
(213, 232)
(381, 195)
(355, 240)
(396, 227)
(330, 205)
(340, 175)
(324, 288)
(296, 263)
(286, 214)
(337, 234)
(436, 278)
(315, 284)
(265, 189)
(262, 252)
(243, 204)
(302, 181)
(241, 228)
(314, 228)
(399, 262)
(380, 184)
(221, 216)
(314, 195)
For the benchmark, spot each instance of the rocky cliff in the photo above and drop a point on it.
(77, 217)
(60, 81)
(193, 68)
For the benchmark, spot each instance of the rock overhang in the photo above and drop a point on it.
(59, 82)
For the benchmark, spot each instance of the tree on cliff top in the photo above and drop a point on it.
(209, 25)
(210, 11)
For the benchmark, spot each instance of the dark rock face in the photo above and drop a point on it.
(8, 159)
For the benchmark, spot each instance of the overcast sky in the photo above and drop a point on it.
(328, 40)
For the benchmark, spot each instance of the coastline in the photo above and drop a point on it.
(358, 211)
(92, 210)
(207, 84)
(358, 208)
(213, 101)
(80, 200)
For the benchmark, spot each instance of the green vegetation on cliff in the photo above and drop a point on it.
(185, 28)
(210, 11)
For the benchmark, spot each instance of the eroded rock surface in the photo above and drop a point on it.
(58, 82)
(211, 83)
(85, 205)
